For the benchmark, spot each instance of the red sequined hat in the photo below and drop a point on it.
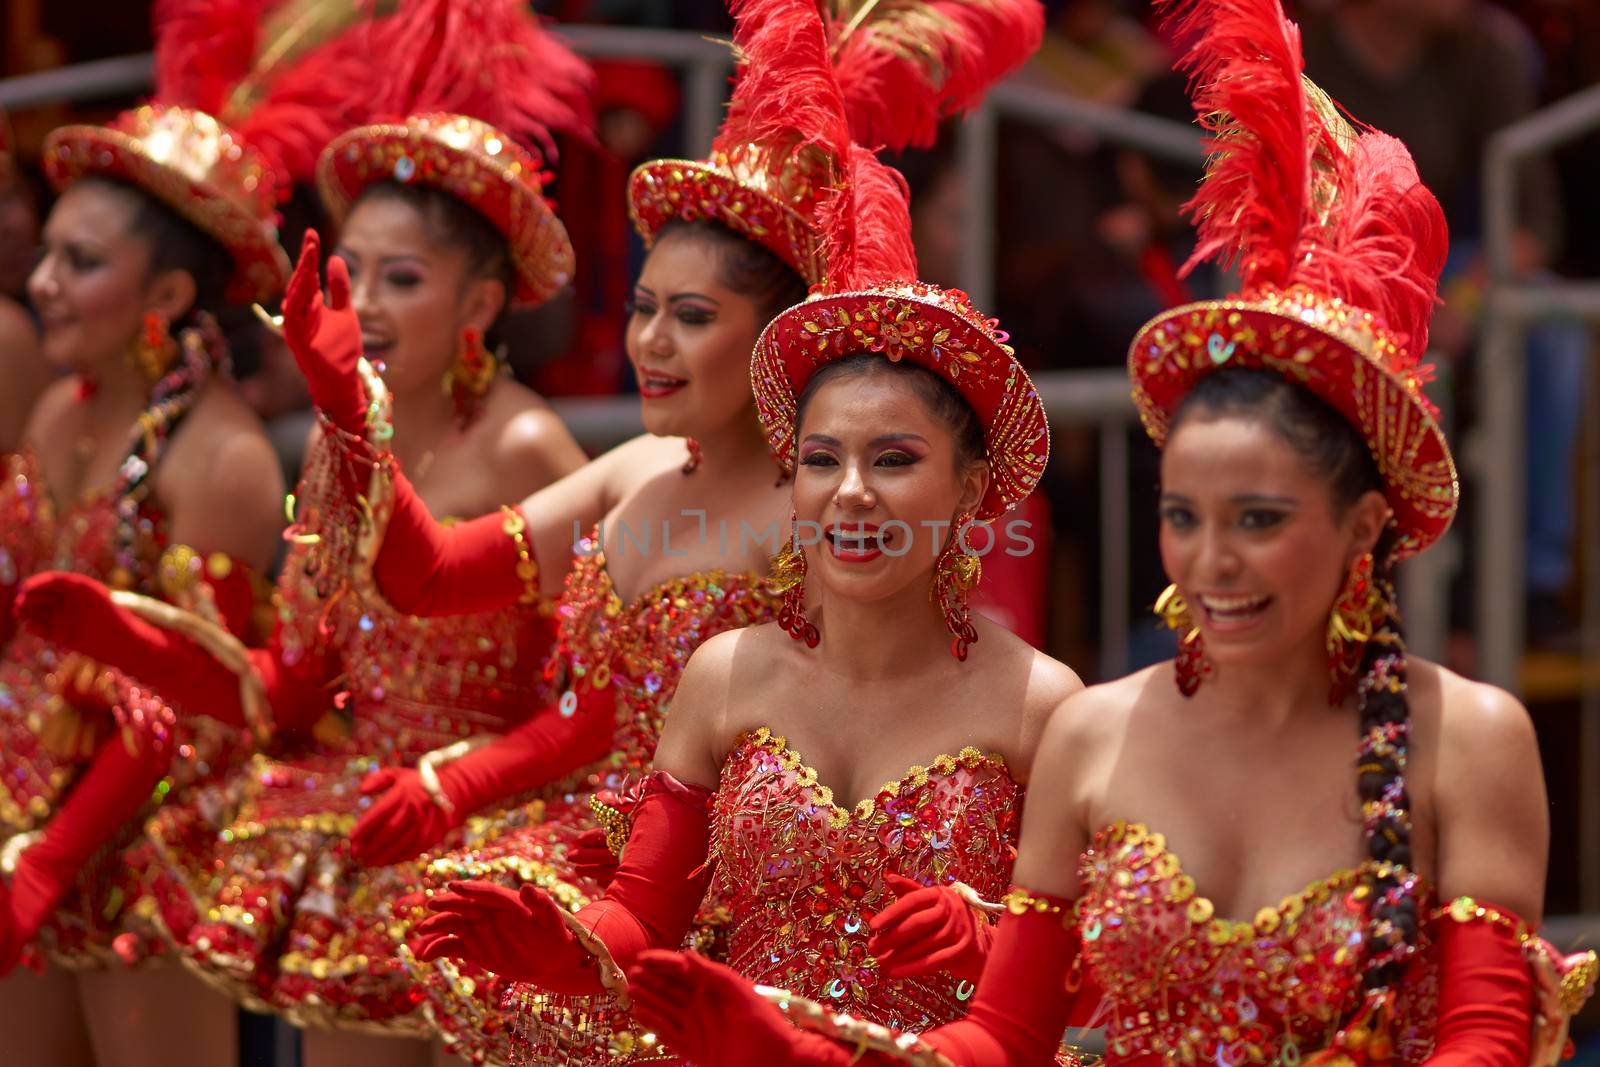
(472, 161)
(200, 168)
(470, 93)
(811, 83)
(1339, 245)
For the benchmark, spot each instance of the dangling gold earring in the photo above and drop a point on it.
(470, 376)
(788, 577)
(154, 351)
(1363, 605)
(1191, 667)
(955, 576)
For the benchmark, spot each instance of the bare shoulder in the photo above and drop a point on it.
(1466, 720)
(224, 443)
(1094, 717)
(698, 733)
(525, 441)
(639, 459)
(1047, 681)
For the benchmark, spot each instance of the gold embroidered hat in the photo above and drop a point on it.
(195, 165)
(468, 95)
(245, 97)
(472, 161)
(1339, 245)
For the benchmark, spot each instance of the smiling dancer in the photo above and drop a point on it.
(1300, 460)
(904, 417)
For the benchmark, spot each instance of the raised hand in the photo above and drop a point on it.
(710, 1014)
(325, 336)
(517, 934)
(928, 929)
(403, 820)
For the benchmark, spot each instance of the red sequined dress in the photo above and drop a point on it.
(800, 877)
(1186, 985)
(119, 539)
(633, 653)
(252, 878)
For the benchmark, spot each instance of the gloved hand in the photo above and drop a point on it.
(517, 934)
(929, 929)
(77, 612)
(649, 904)
(406, 819)
(710, 1014)
(403, 820)
(325, 337)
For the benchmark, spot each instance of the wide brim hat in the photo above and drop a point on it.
(1343, 355)
(768, 200)
(921, 324)
(472, 161)
(199, 168)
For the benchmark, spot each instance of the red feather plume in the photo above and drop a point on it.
(489, 59)
(868, 227)
(905, 65)
(785, 96)
(286, 75)
(1293, 193)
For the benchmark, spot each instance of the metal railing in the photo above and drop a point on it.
(1500, 457)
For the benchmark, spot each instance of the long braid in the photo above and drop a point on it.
(1392, 922)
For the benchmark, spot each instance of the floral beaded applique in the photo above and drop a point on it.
(803, 877)
(1193, 986)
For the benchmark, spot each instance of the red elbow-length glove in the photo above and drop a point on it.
(78, 613)
(1486, 996)
(649, 904)
(426, 568)
(711, 1015)
(407, 817)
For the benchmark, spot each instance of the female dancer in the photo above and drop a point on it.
(444, 224)
(142, 468)
(1301, 459)
(905, 418)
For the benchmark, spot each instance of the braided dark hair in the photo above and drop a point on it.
(1334, 449)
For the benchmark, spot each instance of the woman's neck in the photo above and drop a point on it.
(880, 640)
(1270, 695)
(114, 395)
(424, 419)
(736, 452)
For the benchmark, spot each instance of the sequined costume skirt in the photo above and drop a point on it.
(98, 922)
(468, 1005)
(253, 883)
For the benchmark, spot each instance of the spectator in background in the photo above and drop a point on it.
(1444, 76)
(573, 346)
(23, 370)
